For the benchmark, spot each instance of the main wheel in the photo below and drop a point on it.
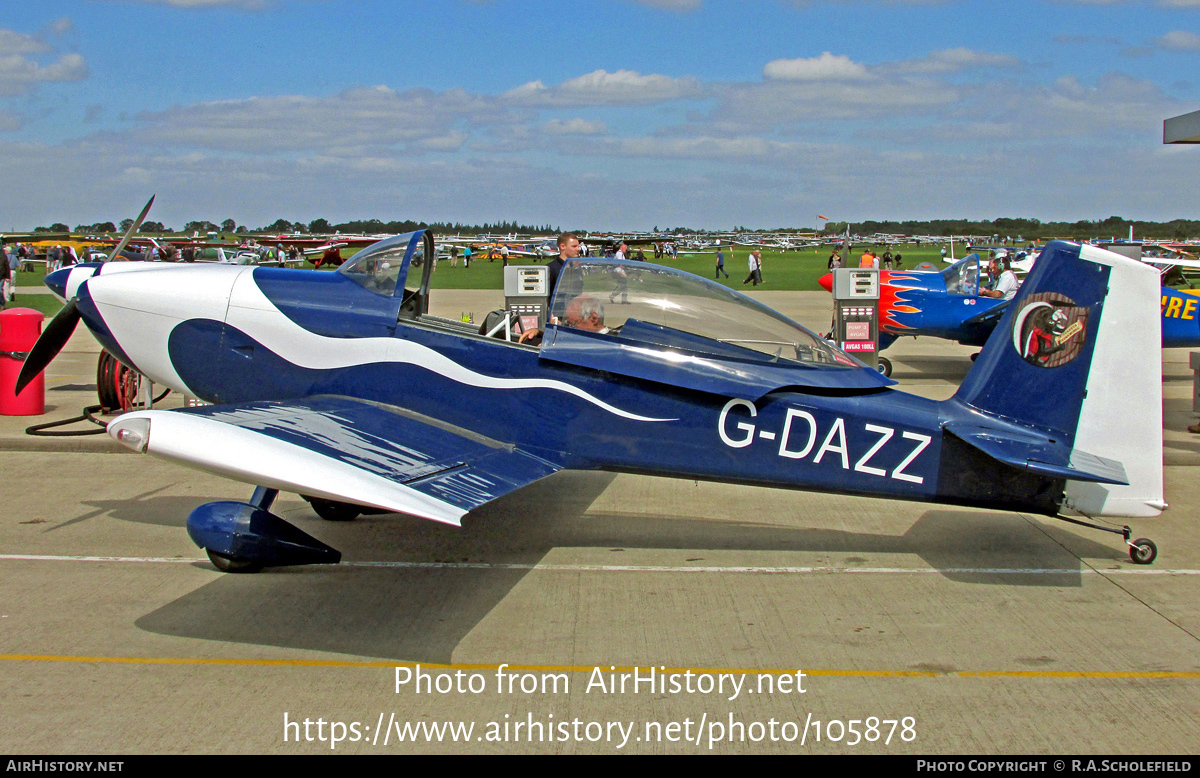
(229, 564)
(332, 510)
(885, 366)
(1143, 551)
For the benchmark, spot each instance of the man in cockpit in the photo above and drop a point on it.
(583, 312)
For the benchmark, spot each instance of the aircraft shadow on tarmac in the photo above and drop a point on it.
(145, 508)
(423, 613)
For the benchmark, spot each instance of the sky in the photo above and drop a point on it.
(597, 114)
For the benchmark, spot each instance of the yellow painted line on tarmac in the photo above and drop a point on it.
(515, 668)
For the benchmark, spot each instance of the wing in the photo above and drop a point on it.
(341, 449)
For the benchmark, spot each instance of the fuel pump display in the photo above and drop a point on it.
(526, 295)
(856, 315)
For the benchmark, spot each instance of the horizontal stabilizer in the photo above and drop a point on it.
(340, 449)
(1038, 453)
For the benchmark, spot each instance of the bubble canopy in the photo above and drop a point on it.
(666, 307)
(383, 267)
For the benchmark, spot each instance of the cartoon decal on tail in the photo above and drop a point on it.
(1050, 330)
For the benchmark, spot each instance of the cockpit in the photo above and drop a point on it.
(962, 278)
(383, 268)
(636, 319)
(660, 306)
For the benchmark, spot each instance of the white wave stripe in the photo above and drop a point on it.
(253, 312)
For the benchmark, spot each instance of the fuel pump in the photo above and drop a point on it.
(856, 315)
(526, 302)
(526, 294)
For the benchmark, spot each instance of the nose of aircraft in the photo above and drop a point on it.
(57, 282)
(64, 283)
(826, 281)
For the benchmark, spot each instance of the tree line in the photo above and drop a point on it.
(316, 227)
(1112, 227)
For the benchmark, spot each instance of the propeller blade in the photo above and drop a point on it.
(116, 253)
(53, 338)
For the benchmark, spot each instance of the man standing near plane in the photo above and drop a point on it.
(568, 248)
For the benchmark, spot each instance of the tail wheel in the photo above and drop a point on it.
(1143, 551)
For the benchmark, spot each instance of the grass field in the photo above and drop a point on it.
(46, 303)
(788, 271)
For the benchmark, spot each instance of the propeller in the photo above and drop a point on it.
(116, 253)
(60, 328)
(52, 340)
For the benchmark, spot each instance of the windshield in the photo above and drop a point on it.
(962, 278)
(620, 298)
(383, 267)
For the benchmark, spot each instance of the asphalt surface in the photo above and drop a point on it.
(920, 629)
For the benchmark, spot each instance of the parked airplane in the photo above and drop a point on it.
(342, 387)
(947, 304)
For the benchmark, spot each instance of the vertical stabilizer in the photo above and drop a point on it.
(1077, 359)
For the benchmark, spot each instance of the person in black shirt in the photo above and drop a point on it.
(568, 248)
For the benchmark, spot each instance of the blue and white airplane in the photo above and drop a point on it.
(343, 388)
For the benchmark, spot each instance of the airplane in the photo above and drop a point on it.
(947, 304)
(341, 387)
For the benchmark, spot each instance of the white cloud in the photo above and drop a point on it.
(60, 26)
(1179, 40)
(574, 127)
(827, 67)
(19, 74)
(788, 105)
(956, 60)
(740, 149)
(13, 42)
(624, 87)
(346, 123)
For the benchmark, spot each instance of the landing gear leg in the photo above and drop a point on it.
(1141, 551)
